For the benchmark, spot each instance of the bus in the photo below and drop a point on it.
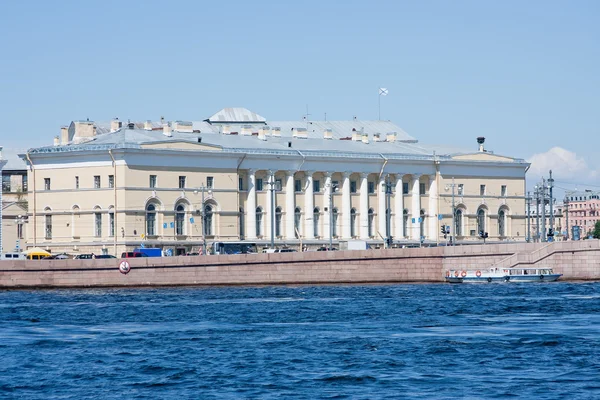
(233, 248)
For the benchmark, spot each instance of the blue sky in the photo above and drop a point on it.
(524, 74)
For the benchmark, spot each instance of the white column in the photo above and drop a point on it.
(268, 208)
(346, 205)
(399, 208)
(415, 211)
(289, 205)
(251, 206)
(381, 207)
(309, 205)
(364, 206)
(327, 193)
(434, 229)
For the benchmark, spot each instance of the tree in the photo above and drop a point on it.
(596, 233)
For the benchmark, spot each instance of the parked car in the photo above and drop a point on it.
(326, 249)
(86, 256)
(60, 256)
(286, 250)
(12, 256)
(105, 256)
(192, 254)
(132, 254)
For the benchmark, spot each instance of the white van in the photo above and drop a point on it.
(12, 256)
(279, 250)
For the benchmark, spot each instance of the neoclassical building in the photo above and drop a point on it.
(236, 176)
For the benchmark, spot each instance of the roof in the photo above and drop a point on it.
(236, 114)
(14, 162)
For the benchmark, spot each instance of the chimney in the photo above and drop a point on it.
(261, 134)
(64, 135)
(115, 125)
(365, 138)
(377, 137)
(56, 140)
(356, 136)
(183, 126)
(391, 136)
(481, 141)
(299, 133)
(226, 129)
(328, 134)
(148, 125)
(264, 131)
(276, 131)
(167, 129)
(84, 130)
(246, 130)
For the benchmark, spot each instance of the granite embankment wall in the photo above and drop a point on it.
(576, 260)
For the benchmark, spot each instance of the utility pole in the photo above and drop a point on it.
(550, 187)
(272, 189)
(567, 215)
(537, 213)
(331, 191)
(528, 239)
(388, 216)
(544, 237)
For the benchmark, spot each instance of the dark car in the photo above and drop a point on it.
(326, 249)
(105, 256)
(132, 254)
(84, 256)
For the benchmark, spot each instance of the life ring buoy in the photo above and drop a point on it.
(463, 273)
(490, 280)
(541, 277)
(478, 273)
(456, 274)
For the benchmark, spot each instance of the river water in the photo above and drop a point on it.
(416, 341)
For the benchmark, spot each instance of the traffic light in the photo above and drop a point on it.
(390, 241)
(550, 232)
(444, 231)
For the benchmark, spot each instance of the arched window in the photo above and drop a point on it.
(241, 224)
(422, 224)
(208, 220)
(180, 220)
(316, 214)
(97, 222)
(459, 222)
(259, 215)
(48, 223)
(371, 218)
(502, 223)
(278, 222)
(353, 222)
(74, 220)
(405, 223)
(150, 220)
(334, 219)
(480, 220)
(297, 220)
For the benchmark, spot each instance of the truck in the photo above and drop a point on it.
(354, 245)
(150, 252)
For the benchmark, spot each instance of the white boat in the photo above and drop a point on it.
(501, 275)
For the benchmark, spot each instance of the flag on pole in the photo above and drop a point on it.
(383, 91)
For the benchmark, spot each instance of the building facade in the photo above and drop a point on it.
(583, 209)
(14, 201)
(236, 176)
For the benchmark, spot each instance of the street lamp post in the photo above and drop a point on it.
(333, 187)
(202, 216)
(453, 235)
(388, 211)
(528, 238)
(567, 215)
(272, 189)
(537, 213)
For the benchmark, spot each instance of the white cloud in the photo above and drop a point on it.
(565, 165)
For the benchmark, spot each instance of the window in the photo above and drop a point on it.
(352, 186)
(179, 220)
(503, 191)
(152, 181)
(297, 185)
(24, 180)
(76, 182)
(46, 183)
(404, 187)
(259, 215)
(6, 183)
(111, 181)
(97, 224)
(316, 186)
(334, 221)
(20, 230)
(208, 220)
(458, 221)
(405, 223)
(461, 189)
(210, 182)
(353, 222)
(278, 184)
(370, 187)
(96, 181)
(259, 184)
(182, 182)
(370, 222)
(111, 224)
(48, 225)
(297, 220)
(316, 214)
(421, 188)
(151, 220)
(480, 220)
(278, 222)
(240, 183)
(482, 190)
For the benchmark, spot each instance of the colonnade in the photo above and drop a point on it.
(365, 212)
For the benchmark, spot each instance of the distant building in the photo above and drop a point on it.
(537, 217)
(583, 208)
(110, 187)
(14, 201)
